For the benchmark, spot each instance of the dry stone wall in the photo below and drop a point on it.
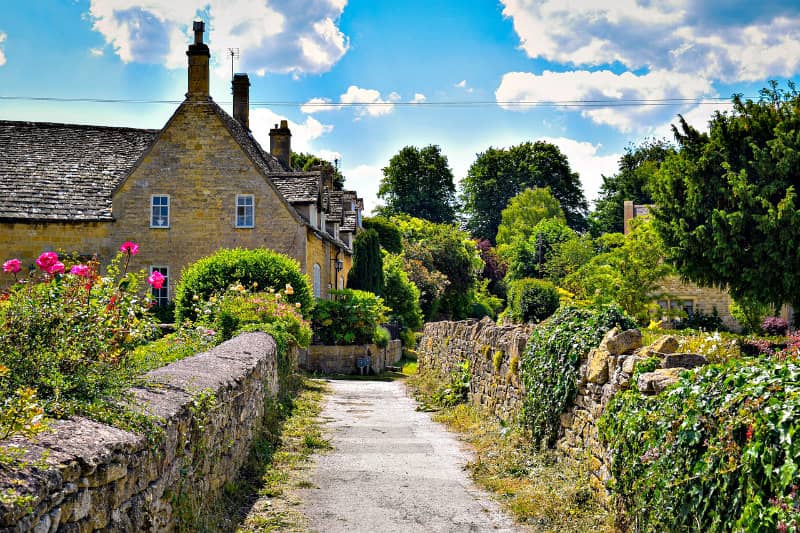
(86, 476)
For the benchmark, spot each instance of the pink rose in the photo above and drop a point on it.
(81, 270)
(156, 279)
(11, 266)
(56, 268)
(47, 260)
(129, 248)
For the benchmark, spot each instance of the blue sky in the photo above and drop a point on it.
(443, 72)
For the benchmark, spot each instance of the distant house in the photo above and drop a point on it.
(200, 183)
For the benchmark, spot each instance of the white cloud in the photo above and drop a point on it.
(576, 90)
(697, 117)
(584, 159)
(303, 134)
(315, 105)
(377, 105)
(684, 36)
(463, 85)
(298, 36)
(96, 52)
(364, 179)
(418, 98)
(3, 37)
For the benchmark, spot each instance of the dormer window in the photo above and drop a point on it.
(159, 211)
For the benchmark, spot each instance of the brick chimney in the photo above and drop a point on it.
(280, 143)
(241, 100)
(198, 63)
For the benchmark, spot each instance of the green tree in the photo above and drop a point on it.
(527, 257)
(390, 237)
(306, 161)
(367, 271)
(419, 182)
(524, 211)
(400, 293)
(727, 201)
(637, 167)
(497, 175)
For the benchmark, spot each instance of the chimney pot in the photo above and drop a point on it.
(199, 55)
(241, 100)
(280, 143)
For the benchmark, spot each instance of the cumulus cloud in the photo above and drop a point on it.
(599, 94)
(364, 179)
(418, 98)
(96, 52)
(685, 36)
(298, 36)
(3, 37)
(584, 159)
(375, 104)
(303, 134)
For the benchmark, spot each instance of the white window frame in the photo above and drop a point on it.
(252, 207)
(312, 215)
(317, 277)
(158, 296)
(152, 206)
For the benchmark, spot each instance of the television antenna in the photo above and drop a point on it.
(234, 55)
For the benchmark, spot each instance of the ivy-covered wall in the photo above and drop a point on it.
(85, 476)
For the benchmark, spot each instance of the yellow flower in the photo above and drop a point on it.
(289, 289)
(297, 305)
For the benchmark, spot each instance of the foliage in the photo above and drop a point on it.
(702, 321)
(381, 337)
(400, 294)
(367, 271)
(532, 300)
(524, 212)
(409, 338)
(775, 326)
(727, 201)
(419, 182)
(349, 318)
(716, 452)
(494, 268)
(306, 161)
(20, 414)
(456, 389)
(749, 312)
(259, 268)
(568, 256)
(185, 342)
(497, 175)
(637, 167)
(388, 235)
(69, 336)
(628, 275)
(527, 257)
(484, 303)
(549, 365)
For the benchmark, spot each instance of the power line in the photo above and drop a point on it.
(630, 102)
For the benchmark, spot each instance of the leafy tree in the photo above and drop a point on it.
(628, 275)
(419, 182)
(400, 294)
(524, 211)
(367, 271)
(390, 237)
(494, 268)
(306, 161)
(568, 256)
(637, 167)
(497, 175)
(527, 257)
(727, 201)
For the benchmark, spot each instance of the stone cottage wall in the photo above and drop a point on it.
(101, 478)
(498, 387)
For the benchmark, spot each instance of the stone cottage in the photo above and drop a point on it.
(200, 183)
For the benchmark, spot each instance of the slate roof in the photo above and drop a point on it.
(336, 206)
(263, 159)
(349, 223)
(298, 187)
(64, 171)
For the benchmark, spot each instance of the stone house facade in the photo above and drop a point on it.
(200, 183)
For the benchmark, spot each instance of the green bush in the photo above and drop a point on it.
(549, 365)
(532, 300)
(716, 452)
(350, 318)
(381, 337)
(367, 271)
(400, 294)
(409, 338)
(260, 268)
(389, 236)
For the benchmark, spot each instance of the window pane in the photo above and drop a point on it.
(244, 211)
(159, 217)
(161, 296)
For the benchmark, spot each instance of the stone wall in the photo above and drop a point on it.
(343, 359)
(96, 477)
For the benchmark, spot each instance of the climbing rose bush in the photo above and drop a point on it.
(67, 336)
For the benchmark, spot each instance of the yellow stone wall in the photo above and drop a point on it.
(26, 241)
(705, 298)
(202, 168)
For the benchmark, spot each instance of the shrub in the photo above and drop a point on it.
(532, 300)
(259, 268)
(367, 271)
(713, 453)
(748, 313)
(702, 321)
(400, 294)
(775, 326)
(409, 338)
(381, 337)
(349, 318)
(389, 236)
(549, 365)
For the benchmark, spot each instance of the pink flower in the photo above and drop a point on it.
(81, 270)
(11, 266)
(47, 260)
(57, 268)
(129, 248)
(156, 279)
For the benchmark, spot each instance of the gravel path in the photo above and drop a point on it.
(392, 469)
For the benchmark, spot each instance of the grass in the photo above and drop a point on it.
(542, 489)
(264, 496)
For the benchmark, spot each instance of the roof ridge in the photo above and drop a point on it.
(75, 126)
